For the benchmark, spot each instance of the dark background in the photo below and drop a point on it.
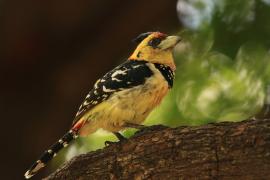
(51, 53)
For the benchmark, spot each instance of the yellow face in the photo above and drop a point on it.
(156, 48)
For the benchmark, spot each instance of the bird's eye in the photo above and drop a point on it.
(154, 42)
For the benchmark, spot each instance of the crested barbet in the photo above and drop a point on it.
(124, 96)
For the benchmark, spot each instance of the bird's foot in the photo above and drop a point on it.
(119, 136)
(108, 143)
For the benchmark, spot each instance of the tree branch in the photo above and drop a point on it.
(215, 151)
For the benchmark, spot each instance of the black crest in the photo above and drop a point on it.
(141, 37)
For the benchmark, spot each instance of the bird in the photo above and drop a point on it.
(124, 96)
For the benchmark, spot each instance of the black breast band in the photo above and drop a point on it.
(167, 73)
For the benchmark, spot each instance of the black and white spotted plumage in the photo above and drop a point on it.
(127, 75)
(167, 73)
(124, 76)
(50, 153)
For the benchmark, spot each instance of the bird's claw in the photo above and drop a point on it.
(108, 143)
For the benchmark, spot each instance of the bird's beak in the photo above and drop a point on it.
(169, 42)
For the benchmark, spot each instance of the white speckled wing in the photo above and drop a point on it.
(125, 76)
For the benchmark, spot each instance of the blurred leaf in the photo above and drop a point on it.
(254, 57)
(196, 44)
(236, 14)
(195, 14)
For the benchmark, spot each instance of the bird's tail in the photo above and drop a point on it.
(50, 153)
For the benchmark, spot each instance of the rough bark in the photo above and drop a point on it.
(214, 151)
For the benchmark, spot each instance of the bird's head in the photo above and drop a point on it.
(155, 47)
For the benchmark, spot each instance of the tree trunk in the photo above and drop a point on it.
(215, 151)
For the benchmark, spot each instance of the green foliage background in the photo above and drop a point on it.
(222, 67)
